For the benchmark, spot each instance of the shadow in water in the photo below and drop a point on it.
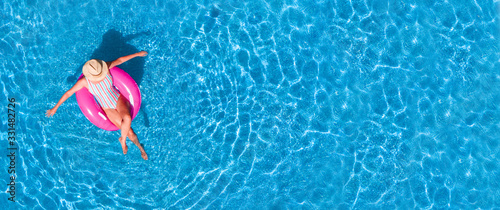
(113, 46)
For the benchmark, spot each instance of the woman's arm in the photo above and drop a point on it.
(78, 85)
(126, 58)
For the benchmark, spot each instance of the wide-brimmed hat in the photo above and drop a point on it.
(95, 70)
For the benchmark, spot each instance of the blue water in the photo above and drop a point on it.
(259, 105)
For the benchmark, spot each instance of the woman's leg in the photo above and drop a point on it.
(116, 119)
(135, 140)
(123, 108)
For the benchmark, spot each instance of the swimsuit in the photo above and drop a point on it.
(105, 93)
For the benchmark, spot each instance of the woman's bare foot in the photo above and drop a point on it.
(123, 142)
(144, 155)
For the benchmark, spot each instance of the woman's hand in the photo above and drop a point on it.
(142, 53)
(50, 112)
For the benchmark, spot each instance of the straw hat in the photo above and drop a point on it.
(95, 70)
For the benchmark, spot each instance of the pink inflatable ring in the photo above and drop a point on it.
(93, 111)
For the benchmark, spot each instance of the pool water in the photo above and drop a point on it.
(259, 105)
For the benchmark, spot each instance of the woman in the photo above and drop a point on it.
(99, 82)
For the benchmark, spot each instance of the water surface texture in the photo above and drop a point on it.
(328, 104)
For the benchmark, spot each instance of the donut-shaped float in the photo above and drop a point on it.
(93, 111)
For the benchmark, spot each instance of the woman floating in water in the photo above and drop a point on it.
(99, 82)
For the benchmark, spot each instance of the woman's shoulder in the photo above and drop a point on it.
(82, 82)
(109, 64)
